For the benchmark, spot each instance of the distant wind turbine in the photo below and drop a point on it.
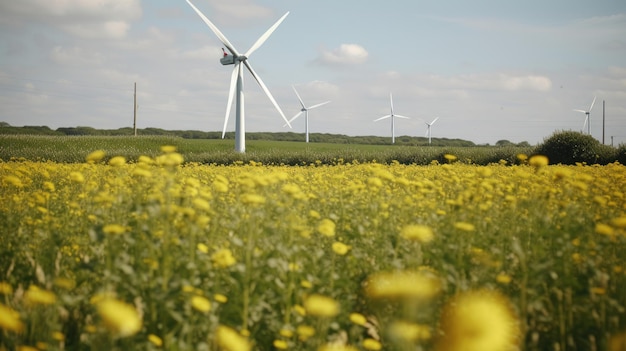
(236, 80)
(306, 113)
(392, 116)
(587, 121)
(428, 126)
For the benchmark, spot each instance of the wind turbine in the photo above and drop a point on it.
(392, 116)
(587, 121)
(236, 80)
(428, 125)
(306, 113)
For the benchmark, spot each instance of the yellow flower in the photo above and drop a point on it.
(119, 317)
(538, 161)
(464, 226)
(6, 288)
(220, 298)
(286, 333)
(202, 248)
(450, 158)
(604, 229)
(155, 340)
(280, 344)
(172, 159)
(113, 229)
(299, 310)
(117, 161)
(229, 340)
(326, 227)
(223, 258)
(503, 278)
(358, 319)
(58, 336)
(28, 348)
(252, 199)
(321, 306)
(305, 332)
(416, 232)
(166, 149)
(36, 295)
(77, 177)
(405, 332)
(337, 347)
(13, 180)
(95, 156)
(480, 320)
(340, 248)
(619, 222)
(403, 284)
(10, 319)
(200, 303)
(371, 344)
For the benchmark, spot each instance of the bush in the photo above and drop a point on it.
(569, 147)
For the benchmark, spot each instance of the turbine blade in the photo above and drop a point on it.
(585, 124)
(298, 95)
(264, 37)
(294, 118)
(381, 118)
(401, 116)
(427, 130)
(267, 91)
(391, 102)
(318, 105)
(580, 111)
(217, 32)
(231, 94)
(434, 120)
(593, 102)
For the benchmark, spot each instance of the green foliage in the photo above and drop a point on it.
(569, 147)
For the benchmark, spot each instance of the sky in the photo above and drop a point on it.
(489, 69)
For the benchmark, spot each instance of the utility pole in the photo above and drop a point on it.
(602, 122)
(135, 110)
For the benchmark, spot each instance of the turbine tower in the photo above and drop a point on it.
(428, 125)
(236, 80)
(587, 121)
(392, 116)
(306, 113)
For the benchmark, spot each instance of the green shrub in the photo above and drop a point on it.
(569, 147)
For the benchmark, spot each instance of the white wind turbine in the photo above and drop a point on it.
(587, 121)
(392, 116)
(236, 80)
(306, 113)
(428, 126)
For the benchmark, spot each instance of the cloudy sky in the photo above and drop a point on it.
(490, 69)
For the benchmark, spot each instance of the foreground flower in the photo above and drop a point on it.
(36, 295)
(223, 258)
(321, 306)
(155, 340)
(403, 284)
(419, 233)
(326, 227)
(10, 319)
(119, 317)
(538, 161)
(403, 332)
(480, 320)
(340, 248)
(229, 340)
(117, 161)
(95, 156)
(200, 303)
(372, 344)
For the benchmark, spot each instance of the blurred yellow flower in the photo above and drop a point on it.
(220, 298)
(480, 320)
(77, 177)
(450, 158)
(229, 340)
(340, 248)
(36, 295)
(6, 288)
(358, 319)
(223, 258)
(403, 284)
(95, 156)
(403, 332)
(321, 306)
(280, 344)
(372, 344)
(605, 229)
(114, 229)
(10, 319)
(305, 332)
(155, 340)
(503, 278)
(202, 248)
(464, 226)
(119, 317)
(200, 303)
(337, 347)
(166, 149)
(538, 161)
(619, 222)
(416, 232)
(326, 227)
(117, 161)
(252, 199)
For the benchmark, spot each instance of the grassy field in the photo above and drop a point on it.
(68, 149)
(99, 253)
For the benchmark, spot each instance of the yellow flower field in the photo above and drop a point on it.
(162, 254)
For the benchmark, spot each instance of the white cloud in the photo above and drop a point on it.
(75, 56)
(345, 54)
(240, 9)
